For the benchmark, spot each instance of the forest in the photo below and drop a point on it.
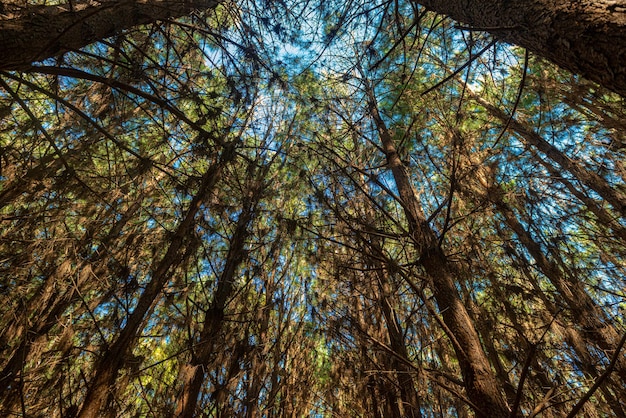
(310, 208)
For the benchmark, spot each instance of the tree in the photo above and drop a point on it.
(480, 383)
(34, 33)
(587, 37)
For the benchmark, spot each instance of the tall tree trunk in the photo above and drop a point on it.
(385, 400)
(109, 365)
(40, 32)
(612, 195)
(479, 380)
(408, 393)
(586, 37)
(595, 324)
(194, 372)
(49, 304)
(573, 337)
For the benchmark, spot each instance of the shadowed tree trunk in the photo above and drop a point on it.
(574, 338)
(612, 195)
(406, 383)
(585, 37)
(48, 305)
(595, 324)
(40, 32)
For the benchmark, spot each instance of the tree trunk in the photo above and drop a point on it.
(49, 304)
(406, 383)
(572, 337)
(586, 37)
(596, 326)
(193, 373)
(479, 380)
(113, 359)
(595, 182)
(41, 32)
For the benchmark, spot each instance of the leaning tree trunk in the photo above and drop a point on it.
(479, 380)
(194, 372)
(40, 32)
(112, 361)
(406, 384)
(586, 37)
(595, 182)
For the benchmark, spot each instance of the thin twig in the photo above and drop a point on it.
(517, 99)
(461, 68)
(526, 369)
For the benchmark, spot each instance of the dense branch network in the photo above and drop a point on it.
(256, 209)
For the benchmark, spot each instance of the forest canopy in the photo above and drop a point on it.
(297, 208)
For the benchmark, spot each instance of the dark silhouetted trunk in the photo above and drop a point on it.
(193, 373)
(596, 327)
(113, 360)
(49, 303)
(408, 393)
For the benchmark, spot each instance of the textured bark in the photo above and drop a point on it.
(50, 302)
(384, 399)
(596, 327)
(480, 382)
(586, 37)
(573, 337)
(41, 32)
(408, 394)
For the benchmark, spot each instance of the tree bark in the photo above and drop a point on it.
(480, 382)
(574, 339)
(596, 326)
(41, 32)
(586, 37)
(406, 384)
(595, 182)
(49, 303)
